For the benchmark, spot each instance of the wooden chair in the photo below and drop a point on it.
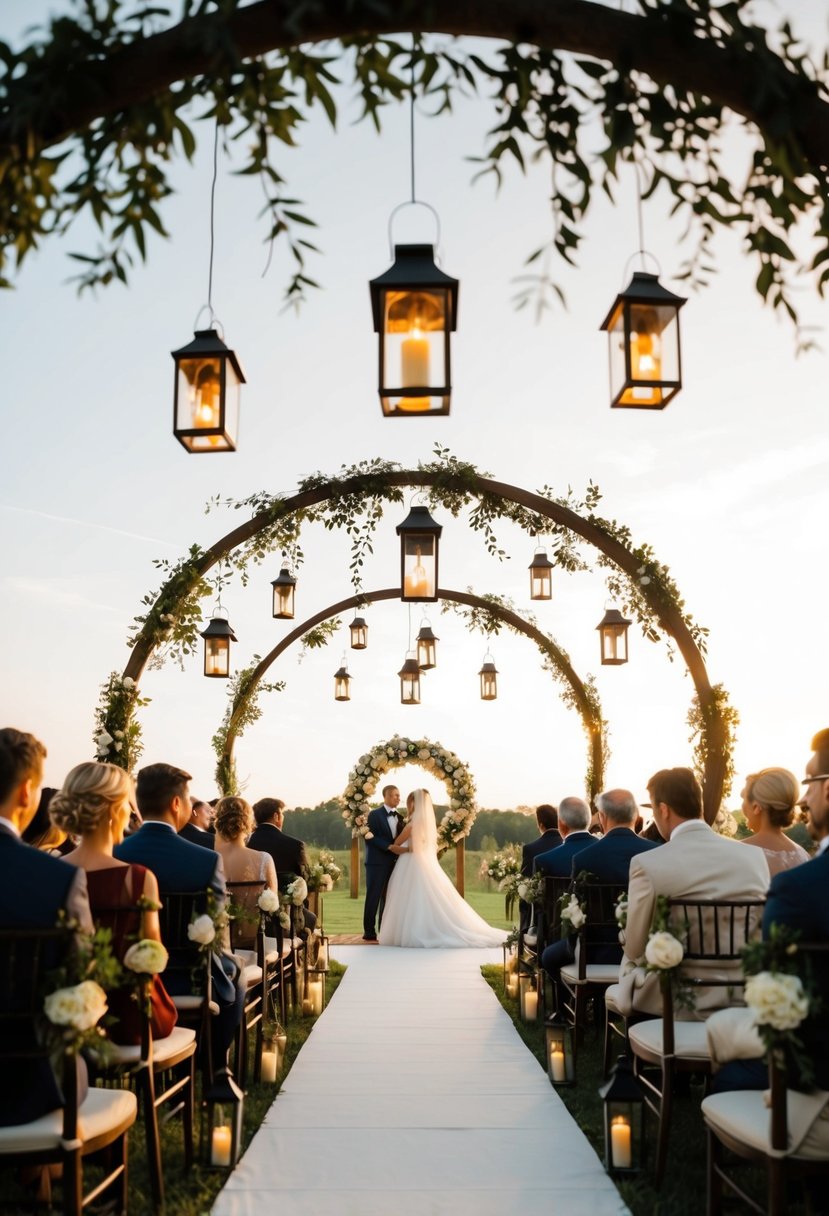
(189, 968)
(714, 933)
(161, 1070)
(260, 974)
(583, 979)
(549, 928)
(742, 1124)
(64, 1137)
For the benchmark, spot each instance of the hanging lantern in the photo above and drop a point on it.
(613, 636)
(489, 679)
(415, 307)
(225, 1105)
(419, 545)
(541, 576)
(426, 641)
(342, 683)
(284, 587)
(624, 1108)
(206, 400)
(217, 638)
(409, 680)
(643, 331)
(558, 1039)
(359, 633)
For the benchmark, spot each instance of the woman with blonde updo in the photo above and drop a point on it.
(234, 823)
(94, 805)
(769, 801)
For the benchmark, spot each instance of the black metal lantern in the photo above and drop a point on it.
(225, 1103)
(510, 949)
(541, 576)
(206, 401)
(217, 638)
(489, 679)
(419, 545)
(624, 1112)
(426, 643)
(613, 637)
(558, 1039)
(284, 586)
(415, 307)
(409, 680)
(359, 633)
(342, 683)
(643, 331)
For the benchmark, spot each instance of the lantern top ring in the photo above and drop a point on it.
(415, 202)
(642, 253)
(213, 321)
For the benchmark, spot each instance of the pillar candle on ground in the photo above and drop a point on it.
(220, 1146)
(269, 1062)
(620, 1143)
(557, 1065)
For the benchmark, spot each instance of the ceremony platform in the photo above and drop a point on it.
(414, 1096)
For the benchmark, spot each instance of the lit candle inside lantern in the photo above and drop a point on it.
(315, 996)
(620, 1150)
(269, 1062)
(205, 398)
(416, 576)
(414, 371)
(220, 1146)
(512, 985)
(530, 1005)
(306, 1007)
(645, 363)
(557, 1064)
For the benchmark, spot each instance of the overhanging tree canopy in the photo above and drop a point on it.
(95, 107)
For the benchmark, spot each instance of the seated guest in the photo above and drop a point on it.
(796, 900)
(546, 817)
(42, 833)
(234, 823)
(769, 801)
(35, 888)
(163, 795)
(573, 820)
(199, 827)
(694, 863)
(94, 805)
(288, 853)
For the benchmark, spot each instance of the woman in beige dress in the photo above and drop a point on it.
(769, 801)
(234, 823)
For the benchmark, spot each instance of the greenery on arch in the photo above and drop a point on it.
(243, 710)
(435, 759)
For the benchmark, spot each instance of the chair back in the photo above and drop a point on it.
(550, 927)
(600, 928)
(246, 925)
(187, 961)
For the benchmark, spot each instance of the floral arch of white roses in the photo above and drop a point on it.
(395, 752)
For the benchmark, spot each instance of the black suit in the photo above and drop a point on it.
(198, 836)
(289, 858)
(550, 839)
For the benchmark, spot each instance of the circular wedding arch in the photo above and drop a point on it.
(455, 484)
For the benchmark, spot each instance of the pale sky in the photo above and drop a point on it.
(727, 484)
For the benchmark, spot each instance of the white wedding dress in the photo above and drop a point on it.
(422, 907)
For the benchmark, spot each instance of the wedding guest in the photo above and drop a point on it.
(549, 837)
(573, 821)
(695, 863)
(163, 795)
(769, 801)
(42, 833)
(288, 853)
(234, 823)
(35, 888)
(199, 827)
(94, 805)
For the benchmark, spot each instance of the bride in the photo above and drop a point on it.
(422, 906)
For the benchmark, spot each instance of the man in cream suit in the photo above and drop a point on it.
(695, 863)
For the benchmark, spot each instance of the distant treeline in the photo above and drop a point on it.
(323, 827)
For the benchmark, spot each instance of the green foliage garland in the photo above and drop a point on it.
(243, 711)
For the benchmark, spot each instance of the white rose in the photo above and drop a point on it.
(268, 901)
(80, 1007)
(298, 891)
(327, 882)
(146, 957)
(284, 920)
(201, 930)
(423, 754)
(128, 682)
(368, 787)
(621, 911)
(119, 734)
(776, 1000)
(664, 951)
(117, 746)
(523, 890)
(103, 740)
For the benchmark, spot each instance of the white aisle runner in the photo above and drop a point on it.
(414, 1096)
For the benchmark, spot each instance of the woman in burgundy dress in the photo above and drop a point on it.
(94, 804)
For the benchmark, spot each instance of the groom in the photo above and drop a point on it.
(384, 823)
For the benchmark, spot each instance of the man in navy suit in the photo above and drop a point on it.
(573, 821)
(163, 796)
(289, 856)
(384, 822)
(546, 817)
(35, 888)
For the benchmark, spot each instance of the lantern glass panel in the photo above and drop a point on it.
(560, 1056)
(283, 603)
(614, 644)
(410, 682)
(489, 682)
(217, 656)
(541, 584)
(419, 552)
(207, 404)
(342, 686)
(623, 1136)
(414, 367)
(426, 649)
(644, 354)
(359, 634)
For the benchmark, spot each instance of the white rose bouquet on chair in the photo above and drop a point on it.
(779, 992)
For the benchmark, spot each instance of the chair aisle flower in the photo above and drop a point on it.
(78, 1008)
(146, 957)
